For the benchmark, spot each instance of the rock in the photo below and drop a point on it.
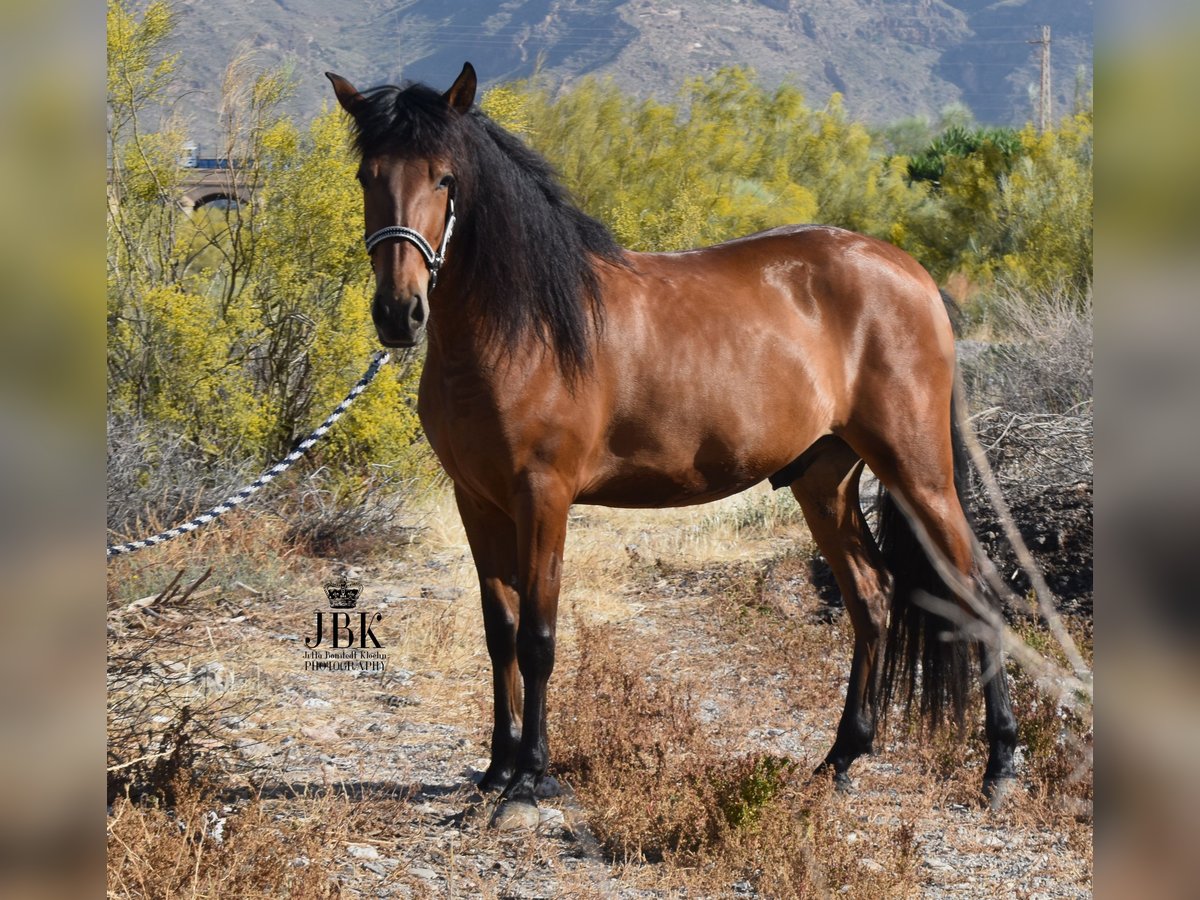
(548, 787)
(251, 750)
(316, 703)
(216, 826)
(422, 872)
(320, 733)
(212, 677)
(549, 818)
(448, 594)
(362, 851)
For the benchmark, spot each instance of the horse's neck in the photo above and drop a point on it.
(452, 354)
(459, 346)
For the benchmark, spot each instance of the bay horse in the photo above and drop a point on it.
(562, 369)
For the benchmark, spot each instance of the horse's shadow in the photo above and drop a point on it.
(357, 791)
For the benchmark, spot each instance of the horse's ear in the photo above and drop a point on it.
(347, 93)
(462, 93)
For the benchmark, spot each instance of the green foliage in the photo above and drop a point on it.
(1000, 146)
(744, 789)
(238, 328)
(731, 157)
(1046, 203)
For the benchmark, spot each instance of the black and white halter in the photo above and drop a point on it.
(433, 260)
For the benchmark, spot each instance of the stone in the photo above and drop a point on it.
(320, 733)
(548, 787)
(549, 818)
(212, 676)
(362, 851)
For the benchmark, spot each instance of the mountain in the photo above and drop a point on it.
(889, 58)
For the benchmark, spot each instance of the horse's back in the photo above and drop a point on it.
(719, 366)
(826, 293)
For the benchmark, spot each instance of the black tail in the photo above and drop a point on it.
(922, 645)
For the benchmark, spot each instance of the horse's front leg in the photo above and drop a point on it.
(541, 519)
(493, 539)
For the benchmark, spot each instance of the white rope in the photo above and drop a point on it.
(266, 477)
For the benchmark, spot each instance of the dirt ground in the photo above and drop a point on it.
(724, 606)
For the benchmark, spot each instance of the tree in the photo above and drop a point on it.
(238, 328)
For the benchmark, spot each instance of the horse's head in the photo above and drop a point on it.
(407, 141)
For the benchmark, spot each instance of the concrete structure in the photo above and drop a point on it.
(206, 184)
(202, 186)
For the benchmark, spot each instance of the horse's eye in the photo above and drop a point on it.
(446, 182)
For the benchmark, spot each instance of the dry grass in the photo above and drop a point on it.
(247, 546)
(199, 847)
(711, 809)
(659, 787)
(701, 675)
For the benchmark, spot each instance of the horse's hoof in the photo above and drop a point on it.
(997, 790)
(513, 815)
(842, 783)
(548, 787)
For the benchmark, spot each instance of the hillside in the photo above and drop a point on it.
(889, 58)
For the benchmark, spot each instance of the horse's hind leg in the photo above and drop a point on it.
(493, 539)
(828, 495)
(920, 469)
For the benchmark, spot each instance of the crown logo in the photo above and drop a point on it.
(343, 594)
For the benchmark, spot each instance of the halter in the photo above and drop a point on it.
(404, 233)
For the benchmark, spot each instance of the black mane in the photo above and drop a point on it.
(525, 250)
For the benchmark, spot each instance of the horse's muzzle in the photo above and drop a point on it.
(400, 322)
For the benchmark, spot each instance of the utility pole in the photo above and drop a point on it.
(1044, 96)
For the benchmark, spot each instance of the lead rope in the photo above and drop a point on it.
(377, 362)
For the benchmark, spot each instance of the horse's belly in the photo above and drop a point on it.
(655, 490)
(652, 476)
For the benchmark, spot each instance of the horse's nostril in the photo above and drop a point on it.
(418, 314)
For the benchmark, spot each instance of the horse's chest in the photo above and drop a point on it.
(463, 429)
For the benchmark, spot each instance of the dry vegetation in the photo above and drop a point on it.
(703, 659)
(701, 675)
